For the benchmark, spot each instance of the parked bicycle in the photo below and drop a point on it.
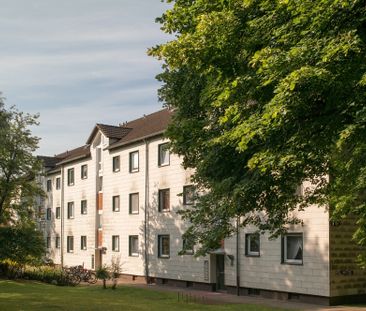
(85, 275)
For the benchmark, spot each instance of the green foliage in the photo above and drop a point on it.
(18, 166)
(268, 94)
(21, 244)
(103, 273)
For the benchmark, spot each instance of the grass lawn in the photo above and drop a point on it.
(37, 296)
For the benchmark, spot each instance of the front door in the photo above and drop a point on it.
(220, 272)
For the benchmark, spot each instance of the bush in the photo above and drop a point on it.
(46, 274)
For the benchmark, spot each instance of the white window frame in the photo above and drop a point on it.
(58, 183)
(160, 245)
(48, 213)
(161, 200)
(70, 243)
(285, 260)
(163, 148)
(72, 209)
(48, 241)
(130, 203)
(134, 155)
(70, 177)
(49, 185)
(115, 243)
(116, 207)
(83, 209)
(185, 192)
(83, 242)
(116, 160)
(133, 253)
(57, 242)
(84, 171)
(248, 251)
(58, 212)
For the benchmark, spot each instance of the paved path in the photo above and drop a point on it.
(223, 298)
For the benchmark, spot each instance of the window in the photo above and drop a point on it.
(83, 242)
(84, 171)
(134, 203)
(49, 185)
(252, 244)
(70, 177)
(188, 246)
(58, 183)
(70, 244)
(116, 164)
(134, 161)
(163, 246)
(115, 243)
(292, 248)
(188, 195)
(164, 198)
(133, 245)
(70, 210)
(57, 242)
(48, 214)
(58, 212)
(48, 242)
(84, 207)
(115, 203)
(163, 155)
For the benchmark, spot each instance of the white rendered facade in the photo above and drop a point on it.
(110, 228)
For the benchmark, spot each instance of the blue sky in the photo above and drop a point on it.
(79, 62)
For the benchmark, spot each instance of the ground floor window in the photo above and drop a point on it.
(164, 246)
(252, 244)
(57, 242)
(115, 243)
(133, 245)
(70, 244)
(292, 248)
(83, 242)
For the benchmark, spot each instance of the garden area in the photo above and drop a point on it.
(31, 295)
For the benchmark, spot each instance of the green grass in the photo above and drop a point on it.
(38, 296)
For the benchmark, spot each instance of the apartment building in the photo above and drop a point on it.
(117, 197)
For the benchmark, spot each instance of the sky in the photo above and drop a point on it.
(78, 63)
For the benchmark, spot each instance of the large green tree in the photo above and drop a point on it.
(18, 166)
(268, 94)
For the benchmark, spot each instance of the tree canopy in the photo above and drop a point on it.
(268, 94)
(18, 166)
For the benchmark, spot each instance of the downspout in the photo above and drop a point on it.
(146, 212)
(237, 257)
(62, 215)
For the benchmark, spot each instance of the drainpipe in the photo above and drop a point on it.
(146, 213)
(237, 257)
(62, 214)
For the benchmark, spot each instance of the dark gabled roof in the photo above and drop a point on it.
(74, 154)
(49, 162)
(110, 131)
(148, 126)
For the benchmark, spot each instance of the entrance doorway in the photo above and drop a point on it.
(220, 272)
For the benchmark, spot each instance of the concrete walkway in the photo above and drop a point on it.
(207, 297)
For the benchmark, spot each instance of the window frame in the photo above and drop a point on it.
(160, 246)
(161, 199)
(83, 207)
(70, 215)
(83, 243)
(71, 173)
(132, 169)
(114, 207)
(284, 260)
(160, 149)
(70, 243)
(185, 202)
(49, 185)
(130, 203)
(57, 241)
(116, 168)
(48, 241)
(48, 213)
(115, 247)
(84, 171)
(58, 212)
(248, 251)
(130, 253)
(187, 251)
(58, 183)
